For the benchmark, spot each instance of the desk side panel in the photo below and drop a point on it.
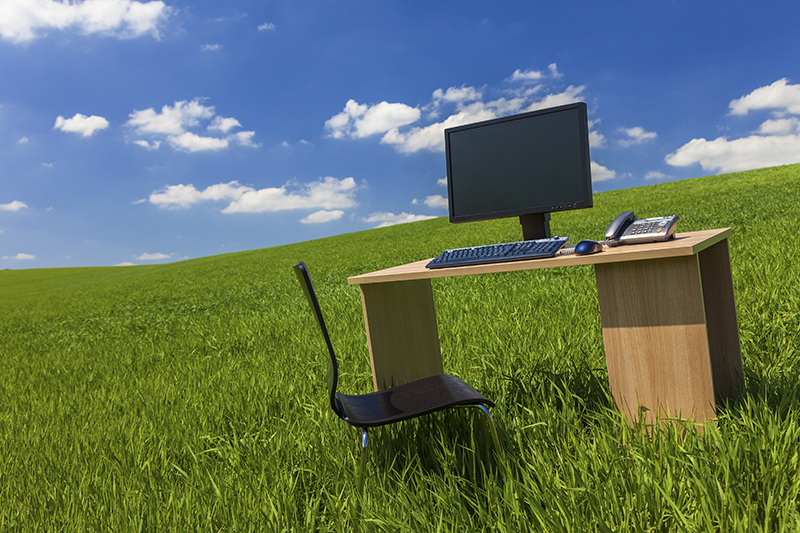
(655, 338)
(402, 333)
(723, 329)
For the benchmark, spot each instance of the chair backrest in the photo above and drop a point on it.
(301, 270)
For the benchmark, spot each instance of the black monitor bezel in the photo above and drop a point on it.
(586, 176)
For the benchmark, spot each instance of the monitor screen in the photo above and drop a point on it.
(527, 164)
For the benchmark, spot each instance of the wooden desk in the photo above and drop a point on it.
(667, 311)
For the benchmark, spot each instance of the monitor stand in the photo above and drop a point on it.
(535, 226)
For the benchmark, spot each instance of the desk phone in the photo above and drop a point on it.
(627, 229)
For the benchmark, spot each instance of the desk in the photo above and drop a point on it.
(667, 311)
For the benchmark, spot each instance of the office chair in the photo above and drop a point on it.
(388, 406)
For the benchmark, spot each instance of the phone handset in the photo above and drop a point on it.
(618, 226)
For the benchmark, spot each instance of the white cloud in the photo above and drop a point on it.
(210, 47)
(779, 126)
(191, 142)
(223, 124)
(340, 124)
(390, 219)
(596, 139)
(16, 205)
(23, 140)
(436, 201)
(152, 257)
(535, 75)
(527, 92)
(301, 142)
(780, 96)
(266, 26)
(176, 196)
(82, 124)
(320, 217)
(173, 122)
(22, 20)
(570, 95)
(327, 193)
(601, 173)
(723, 155)
(396, 122)
(245, 138)
(656, 175)
(20, 257)
(442, 182)
(125, 264)
(457, 94)
(501, 106)
(636, 135)
(527, 75)
(149, 146)
(361, 120)
(432, 137)
(775, 142)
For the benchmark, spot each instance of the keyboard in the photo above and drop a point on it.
(499, 253)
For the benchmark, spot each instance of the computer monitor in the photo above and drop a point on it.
(526, 165)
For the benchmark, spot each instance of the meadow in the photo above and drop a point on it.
(191, 396)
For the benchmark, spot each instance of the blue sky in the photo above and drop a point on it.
(154, 131)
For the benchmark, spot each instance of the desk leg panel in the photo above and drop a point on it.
(655, 338)
(723, 330)
(403, 337)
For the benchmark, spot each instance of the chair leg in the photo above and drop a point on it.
(495, 440)
(362, 467)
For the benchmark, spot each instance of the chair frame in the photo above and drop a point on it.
(387, 406)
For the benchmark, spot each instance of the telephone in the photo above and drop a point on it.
(627, 229)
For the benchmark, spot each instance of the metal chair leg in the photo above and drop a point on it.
(363, 465)
(495, 439)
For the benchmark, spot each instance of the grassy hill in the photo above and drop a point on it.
(190, 396)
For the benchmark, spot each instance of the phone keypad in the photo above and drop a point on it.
(650, 227)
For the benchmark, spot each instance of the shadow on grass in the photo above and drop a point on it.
(458, 442)
(777, 390)
(579, 386)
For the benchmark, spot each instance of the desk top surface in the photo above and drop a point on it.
(683, 244)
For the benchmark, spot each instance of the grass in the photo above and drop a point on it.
(191, 396)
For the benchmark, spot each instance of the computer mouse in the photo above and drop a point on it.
(588, 247)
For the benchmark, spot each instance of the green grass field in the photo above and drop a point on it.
(191, 396)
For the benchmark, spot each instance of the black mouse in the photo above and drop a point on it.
(588, 247)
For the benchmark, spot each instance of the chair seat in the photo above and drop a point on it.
(409, 400)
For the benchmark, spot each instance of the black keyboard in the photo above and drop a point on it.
(499, 253)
